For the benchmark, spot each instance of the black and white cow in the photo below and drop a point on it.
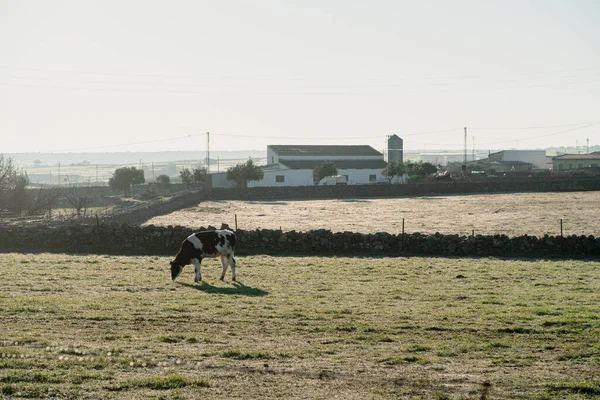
(217, 243)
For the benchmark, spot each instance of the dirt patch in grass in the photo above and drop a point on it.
(515, 214)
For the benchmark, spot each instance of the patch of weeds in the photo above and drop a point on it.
(576, 356)
(345, 328)
(25, 390)
(493, 301)
(585, 388)
(542, 312)
(35, 377)
(417, 348)
(374, 338)
(404, 360)
(437, 329)
(83, 377)
(238, 355)
(26, 340)
(169, 382)
(518, 329)
(7, 390)
(343, 311)
(498, 345)
(171, 339)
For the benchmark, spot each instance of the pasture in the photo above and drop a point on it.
(514, 214)
(98, 326)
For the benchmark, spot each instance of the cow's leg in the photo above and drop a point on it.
(232, 263)
(225, 263)
(196, 263)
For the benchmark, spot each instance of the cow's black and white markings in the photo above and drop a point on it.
(217, 243)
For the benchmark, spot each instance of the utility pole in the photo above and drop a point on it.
(473, 155)
(464, 167)
(208, 152)
(588, 146)
(208, 178)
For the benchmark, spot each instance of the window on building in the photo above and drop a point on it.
(580, 166)
(372, 178)
(594, 165)
(570, 166)
(279, 178)
(560, 166)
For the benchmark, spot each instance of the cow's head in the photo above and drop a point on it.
(176, 269)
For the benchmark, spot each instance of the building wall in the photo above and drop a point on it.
(574, 163)
(362, 176)
(219, 180)
(303, 177)
(292, 177)
(272, 157)
(535, 157)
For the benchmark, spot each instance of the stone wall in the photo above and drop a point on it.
(159, 206)
(554, 184)
(125, 239)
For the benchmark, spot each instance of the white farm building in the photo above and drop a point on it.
(292, 165)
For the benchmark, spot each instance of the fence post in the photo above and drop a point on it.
(402, 241)
(235, 215)
(561, 228)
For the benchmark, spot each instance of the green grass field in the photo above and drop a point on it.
(106, 327)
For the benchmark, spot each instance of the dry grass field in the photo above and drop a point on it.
(514, 214)
(116, 327)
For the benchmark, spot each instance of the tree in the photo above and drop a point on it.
(45, 201)
(240, 174)
(326, 168)
(77, 198)
(186, 177)
(163, 181)
(428, 169)
(13, 186)
(124, 177)
(393, 169)
(18, 194)
(200, 175)
(7, 173)
(390, 171)
(417, 171)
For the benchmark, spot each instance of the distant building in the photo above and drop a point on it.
(537, 158)
(292, 165)
(395, 149)
(443, 158)
(567, 162)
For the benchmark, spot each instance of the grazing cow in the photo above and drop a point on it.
(217, 243)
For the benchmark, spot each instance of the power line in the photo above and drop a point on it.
(160, 76)
(321, 138)
(537, 127)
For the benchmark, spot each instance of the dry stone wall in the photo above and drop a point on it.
(152, 240)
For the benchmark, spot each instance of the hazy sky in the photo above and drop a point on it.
(138, 75)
